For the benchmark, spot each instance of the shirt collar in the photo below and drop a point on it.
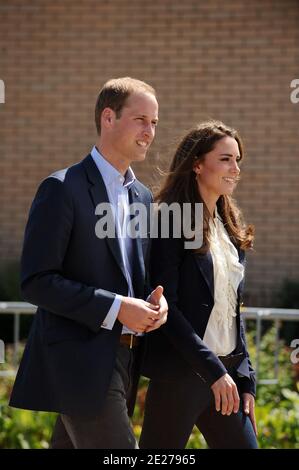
(216, 215)
(109, 173)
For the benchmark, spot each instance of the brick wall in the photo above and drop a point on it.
(231, 60)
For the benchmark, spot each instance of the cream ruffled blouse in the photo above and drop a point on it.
(221, 332)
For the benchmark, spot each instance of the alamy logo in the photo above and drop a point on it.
(2, 92)
(295, 354)
(2, 351)
(161, 220)
(294, 96)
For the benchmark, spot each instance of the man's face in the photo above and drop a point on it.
(133, 132)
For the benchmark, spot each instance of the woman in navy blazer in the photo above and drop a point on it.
(198, 362)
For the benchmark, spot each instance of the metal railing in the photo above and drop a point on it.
(277, 315)
(16, 309)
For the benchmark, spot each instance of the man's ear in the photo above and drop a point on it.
(108, 116)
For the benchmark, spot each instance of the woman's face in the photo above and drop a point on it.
(218, 173)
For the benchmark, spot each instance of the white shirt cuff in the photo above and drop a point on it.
(111, 316)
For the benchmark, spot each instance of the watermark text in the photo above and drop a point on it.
(294, 96)
(295, 354)
(2, 92)
(2, 352)
(160, 220)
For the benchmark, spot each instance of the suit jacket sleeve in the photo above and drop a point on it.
(47, 235)
(247, 384)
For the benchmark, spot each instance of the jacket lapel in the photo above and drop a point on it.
(205, 264)
(98, 195)
(242, 260)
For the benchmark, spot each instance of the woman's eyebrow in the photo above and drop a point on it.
(228, 155)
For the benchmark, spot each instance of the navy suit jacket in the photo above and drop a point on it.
(72, 276)
(176, 351)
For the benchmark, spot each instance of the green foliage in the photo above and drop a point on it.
(22, 429)
(277, 407)
(271, 393)
(279, 425)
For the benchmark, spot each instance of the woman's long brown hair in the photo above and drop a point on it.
(181, 184)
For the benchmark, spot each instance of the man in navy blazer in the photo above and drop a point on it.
(83, 352)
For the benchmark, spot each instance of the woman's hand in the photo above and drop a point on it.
(248, 407)
(157, 298)
(226, 395)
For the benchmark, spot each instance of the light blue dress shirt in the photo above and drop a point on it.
(117, 187)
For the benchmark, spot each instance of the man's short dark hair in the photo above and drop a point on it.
(115, 93)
